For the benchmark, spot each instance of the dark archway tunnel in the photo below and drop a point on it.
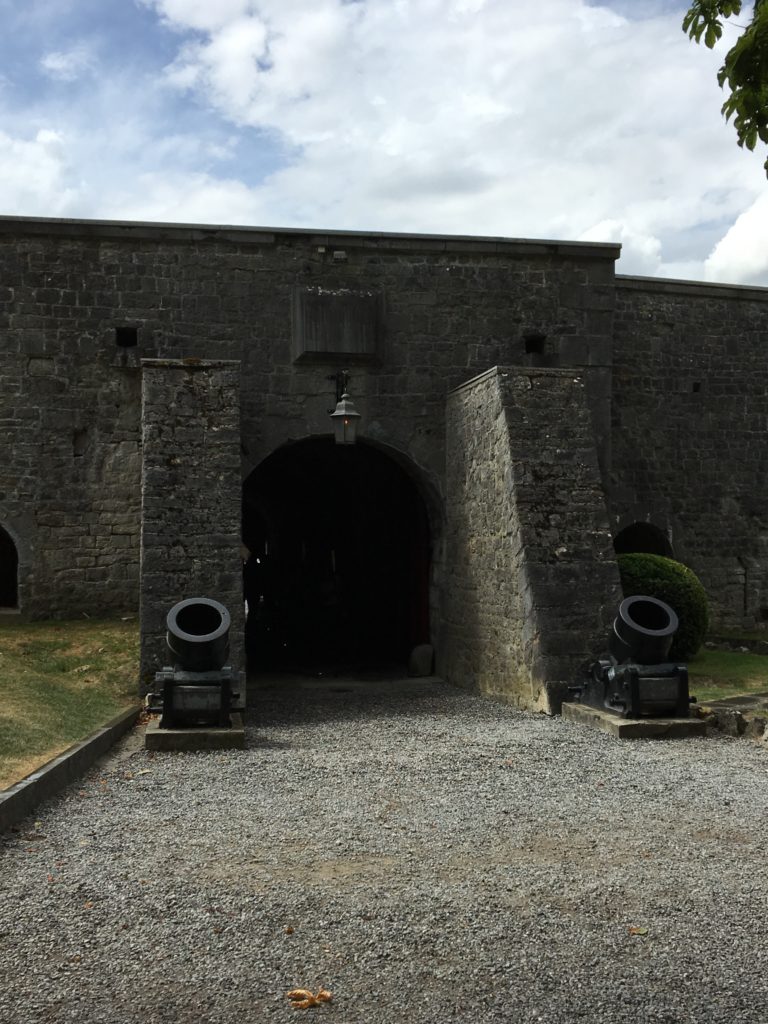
(9, 571)
(338, 576)
(642, 537)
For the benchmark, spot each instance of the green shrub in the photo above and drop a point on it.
(679, 587)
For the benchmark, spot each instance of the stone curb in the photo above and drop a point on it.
(21, 799)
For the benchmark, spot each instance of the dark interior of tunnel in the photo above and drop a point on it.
(9, 568)
(338, 575)
(642, 537)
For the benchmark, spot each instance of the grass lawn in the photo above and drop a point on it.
(714, 675)
(59, 681)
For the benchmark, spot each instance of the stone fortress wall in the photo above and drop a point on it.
(674, 378)
(690, 422)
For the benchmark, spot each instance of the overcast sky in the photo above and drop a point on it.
(571, 119)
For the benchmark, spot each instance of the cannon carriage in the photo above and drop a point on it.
(637, 679)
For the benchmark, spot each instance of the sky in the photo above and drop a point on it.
(594, 120)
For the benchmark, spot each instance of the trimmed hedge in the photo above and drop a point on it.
(667, 580)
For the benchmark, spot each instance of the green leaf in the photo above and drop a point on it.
(744, 73)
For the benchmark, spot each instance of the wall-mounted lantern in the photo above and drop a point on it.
(345, 416)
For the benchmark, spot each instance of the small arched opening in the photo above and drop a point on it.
(339, 566)
(9, 571)
(642, 537)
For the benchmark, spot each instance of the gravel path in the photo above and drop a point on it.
(424, 853)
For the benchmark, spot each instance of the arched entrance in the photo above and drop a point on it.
(338, 576)
(9, 571)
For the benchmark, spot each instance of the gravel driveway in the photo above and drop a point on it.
(424, 853)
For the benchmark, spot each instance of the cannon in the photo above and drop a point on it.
(637, 680)
(197, 688)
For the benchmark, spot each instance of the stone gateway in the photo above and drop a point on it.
(525, 413)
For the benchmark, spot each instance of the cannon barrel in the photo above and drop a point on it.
(198, 634)
(643, 631)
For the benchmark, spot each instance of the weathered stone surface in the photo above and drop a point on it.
(190, 541)
(755, 728)
(450, 308)
(199, 738)
(531, 579)
(674, 375)
(690, 409)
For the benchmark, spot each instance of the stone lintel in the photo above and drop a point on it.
(702, 289)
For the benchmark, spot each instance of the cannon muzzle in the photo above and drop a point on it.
(198, 634)
(643, 631)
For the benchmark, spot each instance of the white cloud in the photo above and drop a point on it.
(742, 254)
(201, 15)
(188, 198)
(35, 175)
(412, 115)
(68, 65)
(451, 115)
(640, 253)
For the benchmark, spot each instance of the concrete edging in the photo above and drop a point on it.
(21, 799)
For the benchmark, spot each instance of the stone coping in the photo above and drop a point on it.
(705, 289)
(522, 371)
(23, 797)
(162, 231)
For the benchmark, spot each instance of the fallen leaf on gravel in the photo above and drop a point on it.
(633, 930)
(302, 998)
